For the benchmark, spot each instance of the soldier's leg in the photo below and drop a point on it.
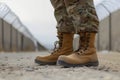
(86, 22)
(65, 35)
(64, 23)
(83, 15)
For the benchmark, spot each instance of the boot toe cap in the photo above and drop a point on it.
(38, 57)
(63, 58)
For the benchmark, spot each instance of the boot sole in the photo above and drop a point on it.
(44, 63)
(67, 65)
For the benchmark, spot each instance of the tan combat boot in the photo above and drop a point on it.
(65, 48)
(85, 56)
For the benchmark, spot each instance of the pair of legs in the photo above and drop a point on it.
(74, 17)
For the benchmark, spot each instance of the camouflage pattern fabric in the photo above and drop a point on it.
(75, 16)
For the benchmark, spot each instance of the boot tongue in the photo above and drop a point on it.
(84, 42)
(88, 42)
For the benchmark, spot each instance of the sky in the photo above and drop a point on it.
(38, 17)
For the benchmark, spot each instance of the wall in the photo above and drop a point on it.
(109, 39)
(13, 41)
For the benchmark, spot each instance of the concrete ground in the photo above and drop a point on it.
(21, 66)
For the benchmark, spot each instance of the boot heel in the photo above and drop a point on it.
(92, 64)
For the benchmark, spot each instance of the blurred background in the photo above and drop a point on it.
(29, 25)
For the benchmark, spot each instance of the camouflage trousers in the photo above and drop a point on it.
(75, 16)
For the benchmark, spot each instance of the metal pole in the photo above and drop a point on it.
(22, 42)
(98, 41)
(2, 34)
(16, 38)
(10, 37)
(110, 32)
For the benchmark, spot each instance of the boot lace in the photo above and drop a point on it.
(82, 50)
(58, 44)
(56, 47)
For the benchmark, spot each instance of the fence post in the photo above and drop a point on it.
(98, 40)
(2, 34)
(110, 32)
